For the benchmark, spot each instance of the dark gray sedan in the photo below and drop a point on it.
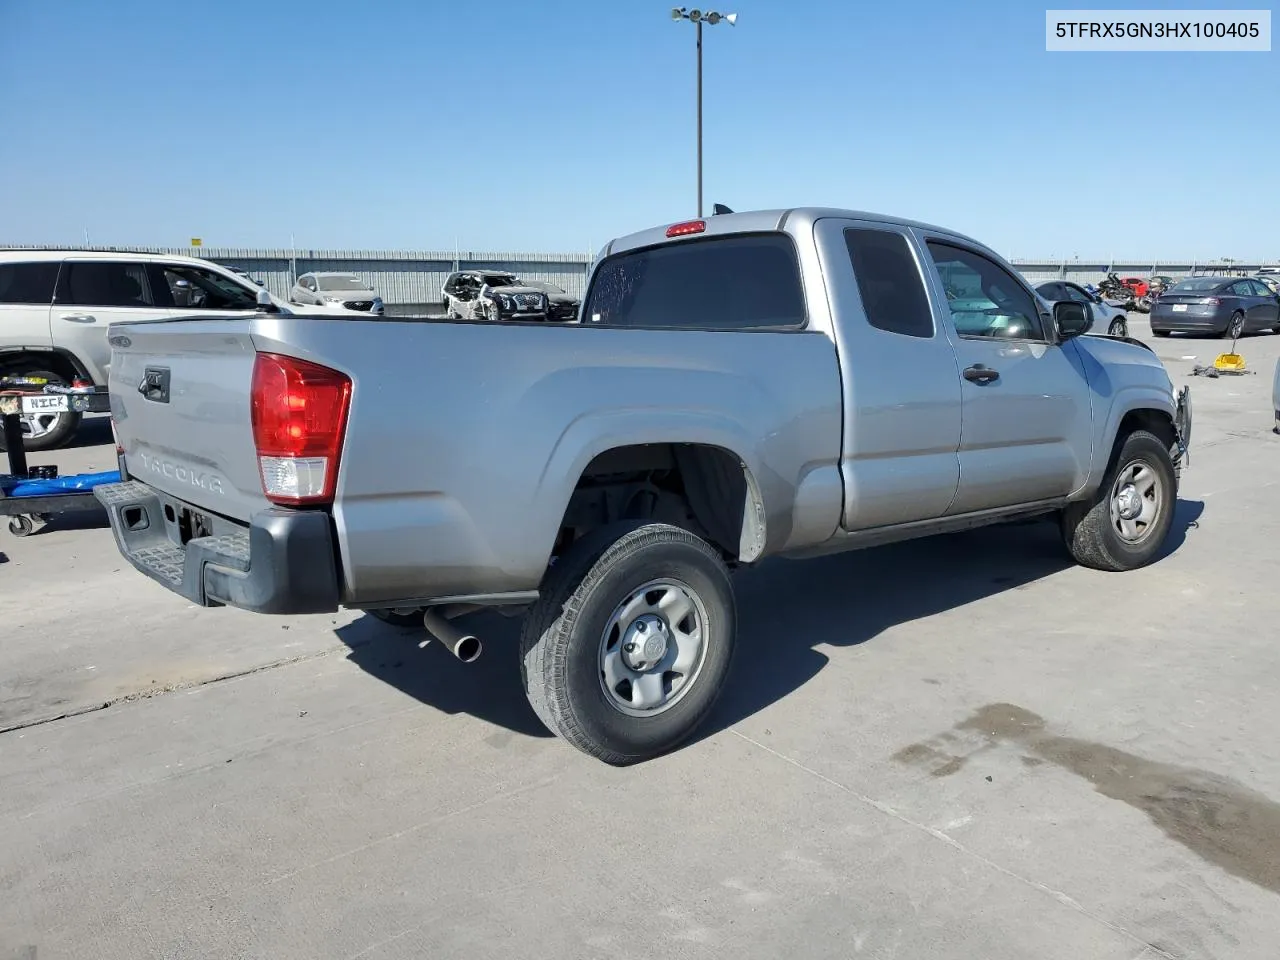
(1223, 306)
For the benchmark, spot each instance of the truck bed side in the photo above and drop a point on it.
(465, 441)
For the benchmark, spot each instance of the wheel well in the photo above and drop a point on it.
(55, 361)
(1153, 421)
(701, 488)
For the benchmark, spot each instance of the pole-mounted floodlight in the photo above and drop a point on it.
(698, 18)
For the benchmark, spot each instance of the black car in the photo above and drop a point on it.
(1224, 306)
(561, 306)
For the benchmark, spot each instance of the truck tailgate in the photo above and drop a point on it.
(183, 386)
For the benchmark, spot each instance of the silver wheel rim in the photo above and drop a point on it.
(1237, 327)
(1137, 501)
(653, 648)
(37, 425)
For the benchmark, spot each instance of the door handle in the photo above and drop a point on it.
(79, 317)
(980, 374)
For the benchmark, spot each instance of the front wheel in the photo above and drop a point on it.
(630, 643)
(1119, 327)
(1126, 523)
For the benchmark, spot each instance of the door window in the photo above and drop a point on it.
(194, 288)
(108, 284)
(1259, 289)
(986, 301)
(28, 283)
(889, 282)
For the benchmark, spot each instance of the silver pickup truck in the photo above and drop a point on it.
(780, 383)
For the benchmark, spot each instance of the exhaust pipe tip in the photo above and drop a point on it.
(468, 649)
(465, 646)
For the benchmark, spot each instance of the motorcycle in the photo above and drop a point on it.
(1116, 293)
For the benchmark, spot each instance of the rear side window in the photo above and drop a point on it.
(890, 283)
(28, 283)
(742, 282)
(94, 284)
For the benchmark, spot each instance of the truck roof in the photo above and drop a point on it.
(752, 221)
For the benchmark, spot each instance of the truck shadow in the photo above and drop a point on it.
(489, 689)
(786, 609)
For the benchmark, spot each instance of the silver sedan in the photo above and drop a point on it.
(1108, 320)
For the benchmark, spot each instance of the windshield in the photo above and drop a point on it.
(501, 280)
(1197, 285)
(341, 282)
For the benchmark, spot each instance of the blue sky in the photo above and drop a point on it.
(553, 125)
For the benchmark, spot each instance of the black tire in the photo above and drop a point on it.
(1159, 333)
(562, 637)
(1087, 528)
(492, 313)
(397, 618)
(1119, 327)
(64, 428)
(1237, 320)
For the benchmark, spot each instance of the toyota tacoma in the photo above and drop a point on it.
(777, 383)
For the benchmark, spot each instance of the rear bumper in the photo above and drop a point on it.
(282, 563)
(1182, 323)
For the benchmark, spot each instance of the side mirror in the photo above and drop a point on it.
(1071, 319)
(265, 303)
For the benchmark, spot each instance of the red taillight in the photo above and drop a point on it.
(686, 228)
(299, 414)
(1211, 301)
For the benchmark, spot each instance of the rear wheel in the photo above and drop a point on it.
(630, 643)
(46, 431)
(1126, 523)
(1119, 327)
(1235, 327)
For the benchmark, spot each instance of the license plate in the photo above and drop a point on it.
(1179, 308)
(50, 403)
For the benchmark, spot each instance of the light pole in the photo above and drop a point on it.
(698, 18)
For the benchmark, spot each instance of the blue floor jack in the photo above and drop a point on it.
(30, 496)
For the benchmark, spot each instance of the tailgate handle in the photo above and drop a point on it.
(155, 384)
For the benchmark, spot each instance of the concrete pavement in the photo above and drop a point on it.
(963, 747)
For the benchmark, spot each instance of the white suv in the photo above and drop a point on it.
(55, 306)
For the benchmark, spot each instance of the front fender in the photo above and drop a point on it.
(1126, 400)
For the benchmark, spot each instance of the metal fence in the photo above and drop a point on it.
(411, 279)
(406, 279)
(1092, 271)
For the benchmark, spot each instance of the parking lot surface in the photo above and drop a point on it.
(958, 747)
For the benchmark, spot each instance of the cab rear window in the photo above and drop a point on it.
(739, 282)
